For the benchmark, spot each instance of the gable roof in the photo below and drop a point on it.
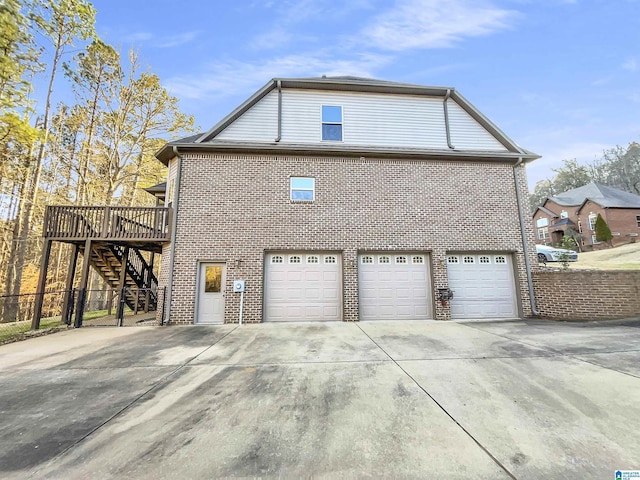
(603, 195)
(547, 211)
(347, 84)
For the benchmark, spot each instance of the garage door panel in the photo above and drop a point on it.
(394, 286)
(331, 276)
(483, 286)
(401, 277)
(311, 294)
(385, 292)
(313, 276)
(302, 286)
(292, 276)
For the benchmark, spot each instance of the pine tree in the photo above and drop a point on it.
(603, 232)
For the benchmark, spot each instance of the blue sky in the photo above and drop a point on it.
(560, 77)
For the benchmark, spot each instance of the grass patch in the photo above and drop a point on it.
(623, 257)
(10, 330)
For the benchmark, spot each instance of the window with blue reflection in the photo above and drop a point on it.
(332, 123)
(302, 188)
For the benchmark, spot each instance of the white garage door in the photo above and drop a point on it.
(482, 285)
(303, 286)
(394, 286)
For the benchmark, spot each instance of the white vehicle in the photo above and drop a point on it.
(552, 254)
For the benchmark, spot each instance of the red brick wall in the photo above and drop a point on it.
(620, 220)
(234, 207)
(588, 294)
(623, 221)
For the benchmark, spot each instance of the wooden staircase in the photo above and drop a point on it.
(108, 260)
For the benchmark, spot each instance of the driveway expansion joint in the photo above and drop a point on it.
(477, 442)
(558, 353)
(162, 381)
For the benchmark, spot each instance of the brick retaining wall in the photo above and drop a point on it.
(587, 294)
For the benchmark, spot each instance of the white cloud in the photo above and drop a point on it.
(176, 40)
(138, 37)
(234, 77)
(631, 64)
(164, 41)
(552, 157)
(413, 24)
(599, 82)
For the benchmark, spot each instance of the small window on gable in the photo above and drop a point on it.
(366, 259)
(302, 189)
(500, 259)
(468, 259)
(276, 259)
(564, 214)
(542, 222)
(452, 259)
(485, 259)
(295, 259)
(313, 259)
(330, 259)
(417, 259)
(383, 259)
(332, 123)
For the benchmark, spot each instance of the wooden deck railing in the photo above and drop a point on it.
(109, 223)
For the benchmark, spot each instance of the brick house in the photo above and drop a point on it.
(579, 209)
(348, 199)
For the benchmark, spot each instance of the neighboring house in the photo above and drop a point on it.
(579, 209)
(348, 199)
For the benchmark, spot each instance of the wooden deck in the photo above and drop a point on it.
(127, 224)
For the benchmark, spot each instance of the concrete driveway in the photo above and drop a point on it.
(482, 400)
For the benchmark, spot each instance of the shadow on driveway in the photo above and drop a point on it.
(384, 399)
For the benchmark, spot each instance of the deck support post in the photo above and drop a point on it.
(84, 280)
(121, 287)
(42, 282)
(68, 292)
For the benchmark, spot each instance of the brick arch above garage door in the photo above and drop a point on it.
(483, 285)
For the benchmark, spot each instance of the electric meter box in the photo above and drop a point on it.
(238, 286)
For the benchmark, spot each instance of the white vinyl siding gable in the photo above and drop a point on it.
(368, 119)
(171, 180)
(258, 124)
(467, 133)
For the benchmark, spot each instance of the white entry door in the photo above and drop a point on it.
(483, 286)
(394, 286)
(211, 293)
(303, 286)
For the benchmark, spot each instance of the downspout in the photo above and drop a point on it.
(279, 84)
(174, 228)
(525, 243)
(446, 118)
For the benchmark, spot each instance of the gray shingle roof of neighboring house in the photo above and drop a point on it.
(563, 222)
(603, 195)
(547, 211)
